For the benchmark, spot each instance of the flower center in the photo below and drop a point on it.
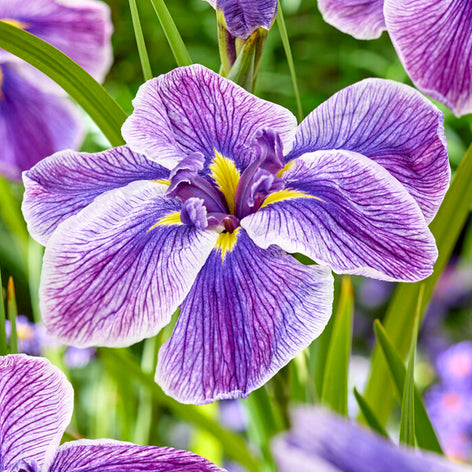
(227, 196)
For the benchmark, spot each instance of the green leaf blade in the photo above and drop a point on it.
(369, 415)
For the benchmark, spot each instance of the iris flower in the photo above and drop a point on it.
(243, 17)
(320, 441)
(200, 211)
(432, 39)
(36, 403)
(36, 120)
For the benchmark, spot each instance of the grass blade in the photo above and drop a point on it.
(3, 334)
(335, 383)
(81, 86)
(174, 39)
(12, 314)
(138, 32)
(446, 227)
(369, 415)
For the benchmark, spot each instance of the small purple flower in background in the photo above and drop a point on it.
(432, 39)
(36, 120)
(202, 219)
(449, 403)
(243, 17)
(36, 403)
(320, 441)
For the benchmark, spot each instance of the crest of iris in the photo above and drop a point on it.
(220, 196)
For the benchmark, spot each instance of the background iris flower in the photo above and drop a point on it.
(36, 119)
(432, 39)
(200, 211)
(320, 441)
(36, 403)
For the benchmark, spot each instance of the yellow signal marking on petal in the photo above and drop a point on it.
(16, 23)
(286, 194)
(172, 218)
(284, 169)
(226, 177)
(226, 242)
(162, 181)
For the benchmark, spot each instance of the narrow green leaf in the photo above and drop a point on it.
(81, 86)
(407, 422)
(369, 415)
(446, 227)
(335, 383)
(174, 39)
(3, 335)
(288, 52)
(12, 314)
(234, 445)
(138, 32)
(425, 434)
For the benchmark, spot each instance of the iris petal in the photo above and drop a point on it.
(249, 312)
(390, 123)
(114, 273)
(192, 109)
(112, 456)
(36, 403)
(434, 43)
(63, 184)
(362, 220)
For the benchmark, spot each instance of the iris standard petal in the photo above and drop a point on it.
(321, 437)
(433, 41)
(115, 272)
(342, 209)
(33, 124)
(362, 19)
(192, 109)
(64, 183)
(81, 29)
(249, 312)
(112, 456)
(243, 17)
(390, 123)
(36, 403)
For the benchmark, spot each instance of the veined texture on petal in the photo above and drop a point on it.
(390, 123)
(36, 403)
(321, 441)
(115, 272)
(349, 213)
(192, 109)
(112, 456)
(33, 124)
(243, 17)
(249, 312)
(434, 41)
(81, 29)
(362, 19)
(61, 185)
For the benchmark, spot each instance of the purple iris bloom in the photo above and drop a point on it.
(219, 186)
(432, 39)
(36, 119)
(454, 365)
(36, 403)
(320, 441)
(243, 17)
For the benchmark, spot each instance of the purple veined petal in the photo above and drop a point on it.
(249, 312)
(362, 19)
(390, 123)
(115, 272)
(243, 17)
(33, 124)
(192, 109)
(63, 184)
(79, 28)
(321, 437)
(433, 41)
(36, 403)
(105, 455)
(361, 221)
